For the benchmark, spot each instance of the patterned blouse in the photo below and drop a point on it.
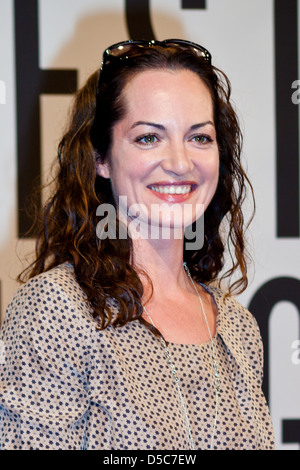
(64, 384)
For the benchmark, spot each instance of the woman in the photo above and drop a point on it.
(117, 341)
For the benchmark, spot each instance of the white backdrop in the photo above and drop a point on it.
(240, 36)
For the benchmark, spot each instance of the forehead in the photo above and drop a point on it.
(159, 91)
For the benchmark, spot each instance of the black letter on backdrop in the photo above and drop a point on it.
(138, 19)
(31, 83)
(287, 121)
(138, 16)
(291, 431)
(261, 305)
(193, 4)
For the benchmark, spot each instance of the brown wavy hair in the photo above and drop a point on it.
(68, 221)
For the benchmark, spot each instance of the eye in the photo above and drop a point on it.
(148, 139)
(202, 139)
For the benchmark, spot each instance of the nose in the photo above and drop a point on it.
(177, 160)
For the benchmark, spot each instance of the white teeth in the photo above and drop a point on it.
(172, 189)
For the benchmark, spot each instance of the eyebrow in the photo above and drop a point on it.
(202, 124)
(162, 128)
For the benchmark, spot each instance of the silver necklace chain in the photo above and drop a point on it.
(176, 379)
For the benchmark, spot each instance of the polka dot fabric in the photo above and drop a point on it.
(66, 385)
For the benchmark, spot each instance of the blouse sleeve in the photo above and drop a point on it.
(44, 370)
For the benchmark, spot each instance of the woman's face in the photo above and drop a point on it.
(164, 150)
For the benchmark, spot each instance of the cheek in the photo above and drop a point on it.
(123, 179)
(216, 173)
(210, 170)
(211, 177)
(215, 179)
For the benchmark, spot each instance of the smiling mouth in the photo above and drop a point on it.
(172, 189)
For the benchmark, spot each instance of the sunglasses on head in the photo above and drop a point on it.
(126, 49)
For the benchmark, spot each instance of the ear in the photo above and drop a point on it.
(103, 169)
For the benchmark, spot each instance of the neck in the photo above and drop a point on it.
(162, 261)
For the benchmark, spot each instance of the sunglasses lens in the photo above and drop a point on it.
(130, 48)
(195, 48)
(122, 49)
